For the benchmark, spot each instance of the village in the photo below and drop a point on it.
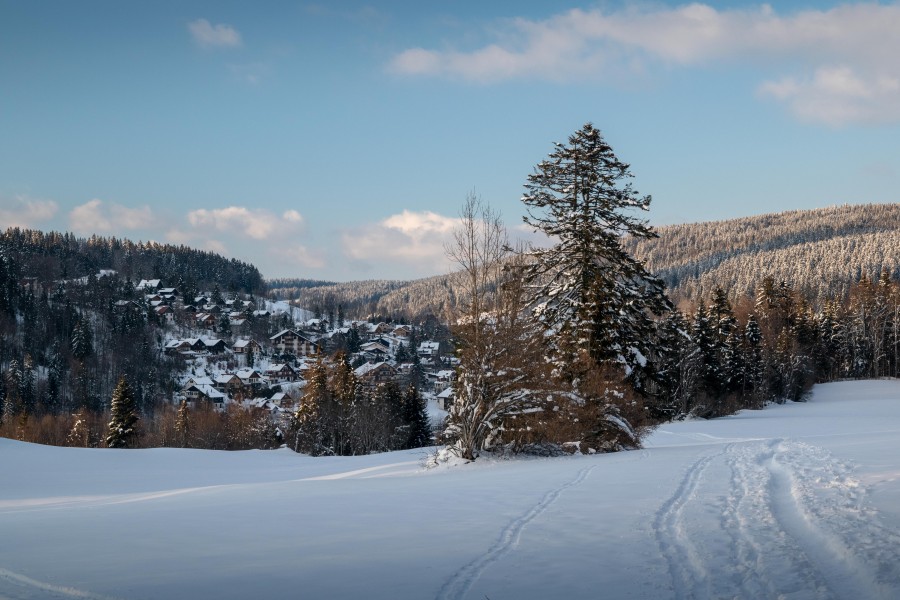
(232, 357)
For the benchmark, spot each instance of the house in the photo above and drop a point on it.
(282, 399)
(402, 331)
(375, 350)
(179, 346)
(429, 349)
(206, 320)
(251, 377)
(443, 379)
(197, 392)
(168, 292)
(445, 399)
(148, 285)
(228, 383)
(164, 312)
(289, 340)
(205, 344)
(381, 328)
(281, 372)
(244, 346)
(375, 373)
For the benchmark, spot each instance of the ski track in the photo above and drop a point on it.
(461, 582)
(21, 587)
(795, 524)
(686, 567)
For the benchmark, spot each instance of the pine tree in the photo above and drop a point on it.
(415, 416)
(588, 290)
(122, 432)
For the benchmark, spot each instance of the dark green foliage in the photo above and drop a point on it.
(123, 417)
(587, 289)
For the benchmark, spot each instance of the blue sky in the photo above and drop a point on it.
(338, 142)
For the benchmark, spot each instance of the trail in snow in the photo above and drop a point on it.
(794, 524)
(461, 582)
(686, 566)
(16, 586)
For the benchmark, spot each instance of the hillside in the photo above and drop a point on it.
(796, 501)
(820, 252)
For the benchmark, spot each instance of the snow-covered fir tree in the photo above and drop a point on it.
(587, 289)
(122, 432)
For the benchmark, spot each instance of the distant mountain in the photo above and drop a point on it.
(819, 252)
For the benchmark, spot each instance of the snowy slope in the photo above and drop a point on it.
(797, 501)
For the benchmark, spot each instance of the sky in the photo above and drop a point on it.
(338, 141)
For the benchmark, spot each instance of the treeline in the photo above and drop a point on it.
(721, 358)
(822, 252)
(52, 257)
(339, 416)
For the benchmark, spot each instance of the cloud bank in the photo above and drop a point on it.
(207, 35)
(96, 216)
(22, 211)
(843, 59)
(414, 241)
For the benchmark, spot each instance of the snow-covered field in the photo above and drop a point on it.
(796, 501)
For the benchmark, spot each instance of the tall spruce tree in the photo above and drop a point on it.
(122, 432)
(589, 293)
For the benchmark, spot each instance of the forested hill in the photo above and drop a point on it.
(53, 256)
(820, 252)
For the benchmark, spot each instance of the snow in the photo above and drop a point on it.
(799, 501)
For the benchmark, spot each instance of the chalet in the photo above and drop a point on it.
(148, 285)
(123, 305)
(211, 345)
(375, 373)
(289, 340)
(402, 331)
(429, 349)
(281, 372)
(199, 380)
(282, 399)
(244, 346)
(164, 312)
(381, 329)
(443, 379)
(228, 383)
(168, 292)
(206, 320)
(261, 313)
(178, 347)
(251, 377)
(194, 393)
(445, 399)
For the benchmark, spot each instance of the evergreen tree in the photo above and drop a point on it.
(588, 290)
(122, 432)
(415, 416)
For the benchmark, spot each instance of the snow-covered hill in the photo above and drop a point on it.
(796, 501)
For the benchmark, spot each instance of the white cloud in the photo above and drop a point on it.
(214, 36)
(414, 241)
(846, 54)
(258, 224)
(22, 211)
(95, 216)
(298, 254)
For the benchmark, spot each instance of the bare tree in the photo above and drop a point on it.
(498, 352)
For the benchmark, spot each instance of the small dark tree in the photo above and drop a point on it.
(415, 415)
(122, 432)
